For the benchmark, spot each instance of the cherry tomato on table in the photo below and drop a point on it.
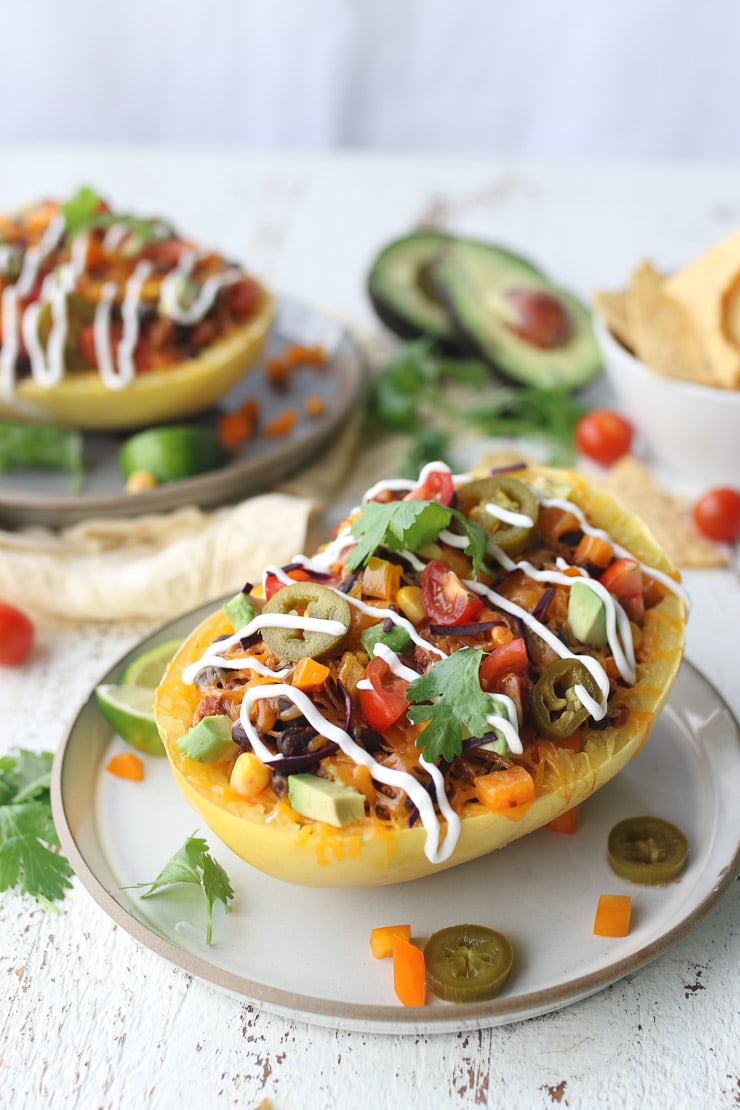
(604, 436)
(717, 514)
(16, 635)
(446, 600)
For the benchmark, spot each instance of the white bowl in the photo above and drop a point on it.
(693, 429)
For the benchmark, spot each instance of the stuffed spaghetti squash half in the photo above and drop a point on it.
(466, 660)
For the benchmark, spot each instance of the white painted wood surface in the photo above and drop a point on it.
(91, 1019)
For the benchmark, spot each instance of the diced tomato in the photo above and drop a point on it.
(242, 298)
(145, 357)
(446, 600)
(504, 659)
(437, 486)
(273, 583)
(386, 703)
(87, 343)
(164, 252)
(623, 578)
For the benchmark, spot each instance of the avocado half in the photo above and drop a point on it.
(454, 291)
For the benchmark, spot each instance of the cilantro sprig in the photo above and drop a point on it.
(449, 697)
(193, 863)
(84, 212)
(428, 397)
(409, 525)
(29, 856)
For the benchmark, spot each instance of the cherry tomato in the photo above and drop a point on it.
(603, 436)
(16, 635)
(446, 600)
(623, 578)
(717, 514)
(437, 486)
(386, 703)
(504, 659)
(241, 298)
(273, 583)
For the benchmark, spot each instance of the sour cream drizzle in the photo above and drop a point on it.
(619, 634)
(171, 291)
(434, 851)
(651, 572)
(503, 717)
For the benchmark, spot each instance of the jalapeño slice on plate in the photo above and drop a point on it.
(467, 963)
(647, 850)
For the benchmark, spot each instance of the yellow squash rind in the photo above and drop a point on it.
(81, 400)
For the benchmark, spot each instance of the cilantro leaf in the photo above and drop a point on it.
(478, 539)
(457, 702)
(193, 863)
(81, 211)
(28, 839)
(396, 525)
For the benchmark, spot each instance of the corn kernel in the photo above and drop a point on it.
(409, 601)
(249, 777)
(141, 480)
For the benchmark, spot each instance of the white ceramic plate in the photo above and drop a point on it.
(43, 497)
(305, 953)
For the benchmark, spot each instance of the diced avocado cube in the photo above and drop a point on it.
(209, 741)
(586, 615)
(397, 638)
(239, 610)
(325, 800)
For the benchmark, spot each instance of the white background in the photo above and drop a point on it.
(621, 79)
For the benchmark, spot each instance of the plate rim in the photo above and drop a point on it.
(362, 1017)
(68, 508)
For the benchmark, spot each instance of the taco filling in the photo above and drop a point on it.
(464, 646)
(84, 288)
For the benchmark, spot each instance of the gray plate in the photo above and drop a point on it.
(42, 496)
(304, 952)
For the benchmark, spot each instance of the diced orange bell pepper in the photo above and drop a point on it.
(383, 938)
(380, 578)
(126, 765)
(566, 822)
(613, 915)
(409, 973)
(503, 790)
(309, 674)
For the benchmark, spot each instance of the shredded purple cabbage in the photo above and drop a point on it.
(294, 764)
(508, 469)
(471, 629)
(540, 610)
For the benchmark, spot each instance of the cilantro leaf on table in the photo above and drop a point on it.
(457, 703)
(193, 863)
(28, 839)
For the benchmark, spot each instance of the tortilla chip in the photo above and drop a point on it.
(613, 307)
(700, 288)
(633, 484)
(664, 334)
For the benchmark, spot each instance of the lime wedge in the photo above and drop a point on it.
(147, 669)
(172, 452)
(130, 711)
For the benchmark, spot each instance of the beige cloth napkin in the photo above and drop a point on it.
(152, 566)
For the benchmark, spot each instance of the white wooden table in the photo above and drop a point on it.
(88, 1017)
